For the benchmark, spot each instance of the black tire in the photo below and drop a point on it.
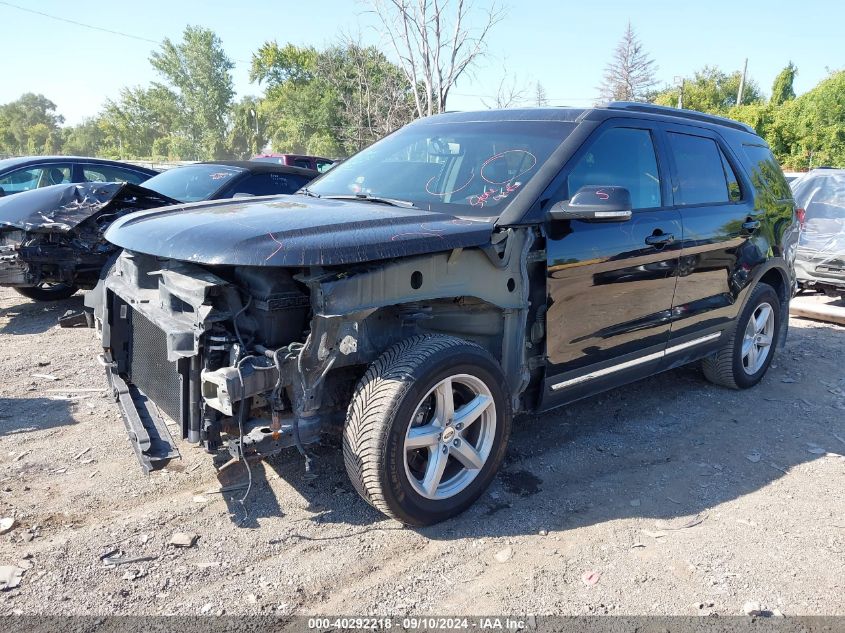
(379, 416)
(725, 367)
(48, 292)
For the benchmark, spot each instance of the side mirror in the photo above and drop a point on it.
(592, 203)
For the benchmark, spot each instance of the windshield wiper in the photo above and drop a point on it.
(366, 197)
(305, 191)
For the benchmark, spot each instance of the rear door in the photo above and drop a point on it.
(610, 284)
(717, 210)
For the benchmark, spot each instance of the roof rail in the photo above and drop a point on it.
(695, 115)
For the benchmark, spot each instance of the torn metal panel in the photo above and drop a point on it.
(294, 231)
(63, 207)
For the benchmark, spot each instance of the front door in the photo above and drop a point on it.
(611, 284)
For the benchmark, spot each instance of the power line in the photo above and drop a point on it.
(92, 26)
(82, 24)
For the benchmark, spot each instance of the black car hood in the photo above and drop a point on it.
(293, 231)
(63, 207)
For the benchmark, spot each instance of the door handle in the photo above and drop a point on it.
(661, 239)
(751, 225)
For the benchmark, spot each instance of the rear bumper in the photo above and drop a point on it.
(817, 270)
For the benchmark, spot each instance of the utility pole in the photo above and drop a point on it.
(255, 119)
(742, 83)
(680, 81)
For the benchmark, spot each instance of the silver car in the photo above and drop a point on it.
(820, 199)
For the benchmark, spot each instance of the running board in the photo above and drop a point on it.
(151, 440)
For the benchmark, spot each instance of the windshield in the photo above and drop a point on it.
(193, 183)
(460, 168)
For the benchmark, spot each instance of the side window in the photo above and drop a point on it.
(765, 171)
(620, 157)
(324, 165)
(734, 190)
(108, 173)
(34, 177)
(270, 184)
(20, 180)
(302, 162)
(704, 175)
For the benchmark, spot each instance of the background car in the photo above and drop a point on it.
(297, 160)
(820, 198)
(51, 238)
(217, 180)
(33, 172)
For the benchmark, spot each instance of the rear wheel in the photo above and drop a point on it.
(47, 291)
(747, 353)
(427, 429)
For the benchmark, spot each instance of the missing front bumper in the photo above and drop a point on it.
(147, 430)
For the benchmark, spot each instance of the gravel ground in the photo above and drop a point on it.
(669, 496)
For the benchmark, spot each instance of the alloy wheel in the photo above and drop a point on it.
(758, 338)
(450, 436)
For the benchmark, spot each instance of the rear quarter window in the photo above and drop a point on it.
(765, 171)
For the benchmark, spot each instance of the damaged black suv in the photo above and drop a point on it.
(467, 268)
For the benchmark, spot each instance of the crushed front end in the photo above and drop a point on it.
(54, 235)
(255, 359)
(175, 337)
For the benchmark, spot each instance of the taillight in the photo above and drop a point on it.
(800, 214)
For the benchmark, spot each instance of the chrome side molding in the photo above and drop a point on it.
(636, 361)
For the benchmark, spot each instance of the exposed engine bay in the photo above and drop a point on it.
(254, 359)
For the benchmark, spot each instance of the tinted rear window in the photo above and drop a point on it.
(765, 171)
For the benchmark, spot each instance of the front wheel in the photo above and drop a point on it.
(48, 292)
(747, 353)
(427, 429)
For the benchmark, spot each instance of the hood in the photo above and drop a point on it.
(293, 231)
(63, 207)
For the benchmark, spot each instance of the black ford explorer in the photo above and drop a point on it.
(467, 268)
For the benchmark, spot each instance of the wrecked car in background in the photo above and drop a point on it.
(51, 238)
(26, 173)
(820, 263)
(466, 268)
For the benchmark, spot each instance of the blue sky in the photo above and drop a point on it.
(560, 43)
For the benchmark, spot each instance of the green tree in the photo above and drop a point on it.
(782, 90)
(199, 74)
(85, 139)
(711, 90)
(372, 95)
(134, 125)
(301, 109)
(29, 125)
(818, 119)
(331, 102)
(247, 133)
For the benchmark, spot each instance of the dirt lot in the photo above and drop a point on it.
(678, 497)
